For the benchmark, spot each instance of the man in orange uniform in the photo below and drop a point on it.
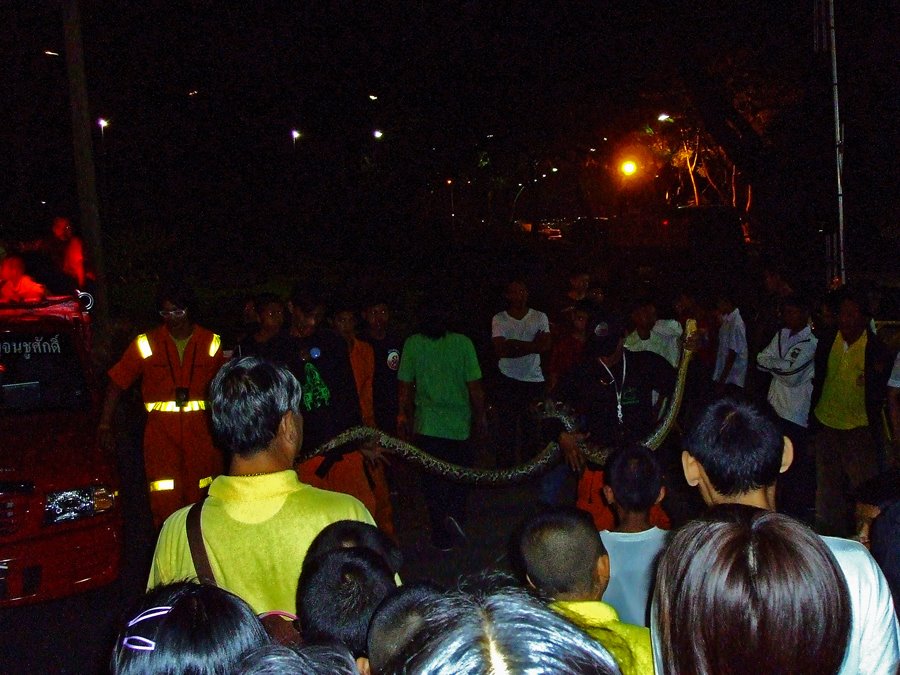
(175, 363)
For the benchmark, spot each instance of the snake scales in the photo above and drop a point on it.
(542, 462)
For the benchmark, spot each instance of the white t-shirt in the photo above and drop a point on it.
(665, 340)
(524, 368)
(874, 645)
(791, 361)
(895, 374)
(632, 567)
(732, 337)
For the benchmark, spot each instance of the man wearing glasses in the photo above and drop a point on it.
(175, 363)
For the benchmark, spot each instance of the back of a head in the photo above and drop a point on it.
(738, 445)
(351, 533)
(187, 628)
(337, 594)
(635, 476)
(276, 659)
(397, 620)
(503, 631)
(744, 587)
(559, 550)
(248, 398)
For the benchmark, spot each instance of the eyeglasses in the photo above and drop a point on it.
(173, 313)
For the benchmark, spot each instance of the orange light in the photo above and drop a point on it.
(628, 167)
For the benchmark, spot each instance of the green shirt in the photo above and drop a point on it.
(441, 370)
(842, 404)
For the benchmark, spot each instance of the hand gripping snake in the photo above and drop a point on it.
(542, 462)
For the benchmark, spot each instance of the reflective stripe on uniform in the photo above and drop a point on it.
(162, 485)
(215, 344)
(172, 406)
(205, 482)
(144, 346)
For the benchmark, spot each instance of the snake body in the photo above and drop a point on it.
(542, 462)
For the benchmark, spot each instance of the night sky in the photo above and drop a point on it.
(481, 93)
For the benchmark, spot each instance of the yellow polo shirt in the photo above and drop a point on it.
(257, 530)
(628, 644)
(843, 401)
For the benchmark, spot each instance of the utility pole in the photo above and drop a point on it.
(84, 161)
(838, 143)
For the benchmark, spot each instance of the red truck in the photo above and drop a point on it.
(60, 518)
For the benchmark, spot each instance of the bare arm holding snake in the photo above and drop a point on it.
(547, 458)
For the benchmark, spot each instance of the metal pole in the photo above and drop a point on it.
(84, 161)
(838, 144)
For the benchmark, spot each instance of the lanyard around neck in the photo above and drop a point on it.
(616, 385)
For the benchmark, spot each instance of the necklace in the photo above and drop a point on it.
(262, 473)
(618, 391)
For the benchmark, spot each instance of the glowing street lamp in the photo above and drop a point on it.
(452, 206)
(102, 123)
(295, 134)
(373, 97)
(378, 134)
(628, 167)
(663, 117)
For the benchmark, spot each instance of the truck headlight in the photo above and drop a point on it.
(67, 505)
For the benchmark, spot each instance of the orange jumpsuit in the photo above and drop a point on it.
(179, 455)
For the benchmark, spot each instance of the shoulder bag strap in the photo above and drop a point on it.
(198, 549)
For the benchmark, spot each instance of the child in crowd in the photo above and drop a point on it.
(397, 620)
(499, 631)
(565, 560)
(745, 589)
(187, 628)
(634, 486)
(337, 595)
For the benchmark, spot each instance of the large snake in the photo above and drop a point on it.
(547, 458)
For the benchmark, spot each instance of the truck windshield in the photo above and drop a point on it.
(40, 372)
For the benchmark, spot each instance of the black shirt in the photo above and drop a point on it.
(384, 381)
(587, 388)
(321, 362)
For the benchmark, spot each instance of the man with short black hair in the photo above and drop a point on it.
(734, 455)
(633, 487)
(849, 389)
(258, 520)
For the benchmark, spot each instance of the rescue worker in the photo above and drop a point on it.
(175, 363)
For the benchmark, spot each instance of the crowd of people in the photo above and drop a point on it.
(301, 558)
(273, 559)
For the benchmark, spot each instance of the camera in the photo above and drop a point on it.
(182, 395)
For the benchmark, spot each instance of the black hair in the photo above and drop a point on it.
(276, 659)
(307, 298)
(635, 476)
(337, 594)
(397, 620)
(604, 331)
(559, 550)
(351, 533)
(738, 445)
(796, 299)
(178, 293)
(248, 399)
(744, 586)
(261, 301)
(187, 627)
(499, 631)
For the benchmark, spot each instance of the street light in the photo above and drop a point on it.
(295, 134)
(102, 123)
(628, 167)
(663, 117)
(378, 134)
(452, 208)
